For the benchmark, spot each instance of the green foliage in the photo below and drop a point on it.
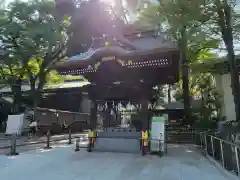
(223, 15)
(157, 96)
(33, 40)
(214, 65)
(182, 21)
(171, 17)
(224, 20)
(54, 78)
(203, 88)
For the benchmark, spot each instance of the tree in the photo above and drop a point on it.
(157, 96)
(33, 35)
(11, 74)
(182, 22)
(225, 23)
(11, 69)
(205, 97)
(107, 22)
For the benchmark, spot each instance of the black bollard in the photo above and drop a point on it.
(69, 136)
(77, 144)
(48, 141)
(143, 149)
(13, 146)
(89, 148)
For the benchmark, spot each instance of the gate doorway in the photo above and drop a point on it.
(119, 115)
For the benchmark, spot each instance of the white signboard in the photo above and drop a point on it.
(157, 134)
(15, 124)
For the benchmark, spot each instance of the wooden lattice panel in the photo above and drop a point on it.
(45, 117)
(66, 118)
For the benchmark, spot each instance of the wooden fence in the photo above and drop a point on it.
(54, 120)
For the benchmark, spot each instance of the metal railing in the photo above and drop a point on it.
(224, 152)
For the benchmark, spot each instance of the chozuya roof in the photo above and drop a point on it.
(144, 42)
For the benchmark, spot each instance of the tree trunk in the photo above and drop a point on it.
(185, 78)
(169, 94)
(34, 94)
(202, 104)
(234, 80)
(185, 87)
(228, 40)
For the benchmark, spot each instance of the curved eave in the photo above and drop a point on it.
(84, 62)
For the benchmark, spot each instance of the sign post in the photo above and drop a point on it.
(158, 134)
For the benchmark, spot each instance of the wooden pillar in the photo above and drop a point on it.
(144, 114)
(93, 114)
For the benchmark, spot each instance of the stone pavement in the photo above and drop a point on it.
(181, 163)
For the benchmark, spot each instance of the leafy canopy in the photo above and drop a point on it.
(33, 38)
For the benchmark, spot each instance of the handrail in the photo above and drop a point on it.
(223, 151)
(225, 141)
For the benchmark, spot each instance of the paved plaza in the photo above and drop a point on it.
(63, 163)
